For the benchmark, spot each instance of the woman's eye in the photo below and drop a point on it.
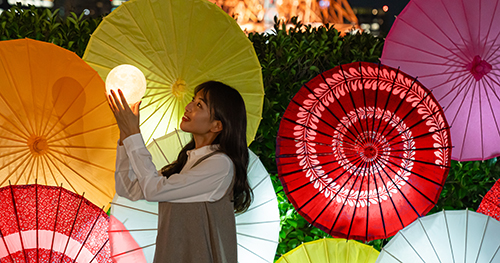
(199, 104)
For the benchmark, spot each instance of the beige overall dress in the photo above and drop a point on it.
(199, 232)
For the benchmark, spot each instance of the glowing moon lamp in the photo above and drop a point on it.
(129, 79)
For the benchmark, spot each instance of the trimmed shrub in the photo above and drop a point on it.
(72, 32)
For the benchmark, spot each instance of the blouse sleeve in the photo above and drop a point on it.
(126, 183)
(207, 181)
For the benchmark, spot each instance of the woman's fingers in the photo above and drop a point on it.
(112, 98)
(123, 100)
(126, 117)
(117, 103)
(111, 103)
(135, 108)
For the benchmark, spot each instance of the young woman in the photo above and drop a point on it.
(199, 193)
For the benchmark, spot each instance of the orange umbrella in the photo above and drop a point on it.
(55, 124)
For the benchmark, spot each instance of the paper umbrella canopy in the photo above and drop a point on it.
(490, 205)
(362, 151)
(448, 236)
(123, 243)
(452, 46)
(257, 229)
(56, 126)
(177, 45)
(51, 224)
(332, 250)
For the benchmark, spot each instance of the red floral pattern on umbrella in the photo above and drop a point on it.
(363, 150)
(490, 205)
(51, 224)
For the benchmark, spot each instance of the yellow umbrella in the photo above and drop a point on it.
(55, 125)
(331, 250)
(177, 45)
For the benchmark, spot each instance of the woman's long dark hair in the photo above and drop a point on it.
(227, 106)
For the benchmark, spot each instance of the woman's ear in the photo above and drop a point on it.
(216, 126)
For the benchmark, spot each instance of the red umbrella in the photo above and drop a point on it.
(363, 150)
(490, 205)
(453, 46)
(51, 224)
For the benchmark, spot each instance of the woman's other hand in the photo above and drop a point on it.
(126, 117)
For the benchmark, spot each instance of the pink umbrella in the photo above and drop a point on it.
(452, 46)
(124, 248)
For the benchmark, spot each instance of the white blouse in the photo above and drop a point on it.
(136, 176)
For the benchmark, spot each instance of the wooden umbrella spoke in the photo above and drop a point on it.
(26, 156)
(24, 167)
(68, 136)
(20, 134)
(11, 76)
(325, 122)
(492, 89)
(81, 160)
(50, 131)
(98, 215)
(134, 208)
(73, 102)
(47, 159)
(131, 59)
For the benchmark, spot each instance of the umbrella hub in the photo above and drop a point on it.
(179, 88)
(370, 147)
(38, 145)
(370, 152)
(478, 68)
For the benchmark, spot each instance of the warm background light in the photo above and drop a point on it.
(129, 79)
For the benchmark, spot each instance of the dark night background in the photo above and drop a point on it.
(362, 8)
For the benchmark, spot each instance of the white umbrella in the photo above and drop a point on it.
(447, 236)
(257, 229)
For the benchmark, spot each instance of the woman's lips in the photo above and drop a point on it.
(184, 118)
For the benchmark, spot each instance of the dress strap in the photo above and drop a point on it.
(203, 158)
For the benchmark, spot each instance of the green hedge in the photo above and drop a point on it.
(289, 58)
(72, 32)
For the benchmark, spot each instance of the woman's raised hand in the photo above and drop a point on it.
(126, 117)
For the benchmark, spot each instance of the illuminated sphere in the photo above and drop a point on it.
(129, 79)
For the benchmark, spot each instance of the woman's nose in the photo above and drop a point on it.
(188, 106)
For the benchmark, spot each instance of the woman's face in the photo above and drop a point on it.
(197, 118)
